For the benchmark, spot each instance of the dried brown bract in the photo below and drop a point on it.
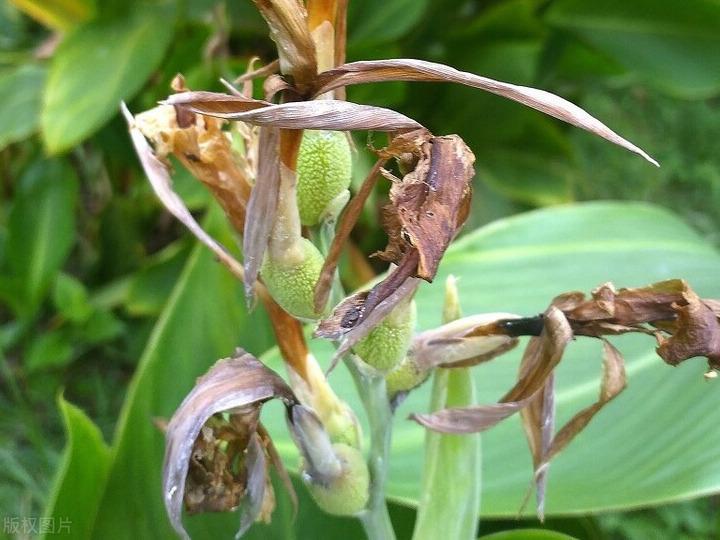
(685, 326)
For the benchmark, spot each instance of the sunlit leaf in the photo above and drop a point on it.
(97, 66)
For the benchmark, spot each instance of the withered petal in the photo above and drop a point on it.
(252, 500)
(398, 69)
(461, 343)
(541, 357)
(697, 333)
(159, 177)
(232, 383)
(319, 114)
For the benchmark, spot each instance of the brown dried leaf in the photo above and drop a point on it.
(697, 333)
(430, 204)
(288, 24)
(159, 177)
(420, 70)
(538, 420)
(204, 149)
(320, 114)
(240, 385)
(541, 357)
(345, 226)
(630, 306)
(262, 207)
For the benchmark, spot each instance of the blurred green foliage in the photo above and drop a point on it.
(89, 260)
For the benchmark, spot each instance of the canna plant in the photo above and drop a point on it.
(280, 167)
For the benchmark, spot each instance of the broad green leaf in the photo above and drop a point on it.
(527, 534)
(378, 21)
(80, 479)
(41, 229)
(525, 176)
(57, 14)
(98, 65)
(656, 442)
(674, 45)
(20, 93)
(71, 298)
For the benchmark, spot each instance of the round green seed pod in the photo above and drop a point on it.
(404, 377)
(347, 494)
(291, 282)
(387, 344)
(324, 171)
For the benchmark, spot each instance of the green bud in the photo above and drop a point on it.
(404, 377)
(291, 281)
(324, 171)
(348, 493)
(387, 344)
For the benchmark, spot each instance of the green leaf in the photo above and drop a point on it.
(527, 534)
(80, 479)
(378, 21)
(41, 229)
(97, 66)
(20, 92)
(53, 349)
(675, 46)
(655, 443)
(71, 299)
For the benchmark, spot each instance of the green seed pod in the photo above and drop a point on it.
(404, 377)
(291, 281)
(324, 171)
(347, 494)
(387, 344)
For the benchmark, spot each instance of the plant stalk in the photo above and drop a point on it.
(371, 387)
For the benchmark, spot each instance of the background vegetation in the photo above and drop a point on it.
(108, 305)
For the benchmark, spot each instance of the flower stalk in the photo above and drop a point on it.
(370, 385)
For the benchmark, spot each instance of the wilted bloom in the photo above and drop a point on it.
(217, 451)
(684, 325)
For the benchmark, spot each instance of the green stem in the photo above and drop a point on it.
(371, 387)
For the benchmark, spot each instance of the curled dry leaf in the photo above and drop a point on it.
(320, 114)
(159, 177)
(697, 333)
(538, 420)
(612, 384)
(202, 447)
(427, 209)
(419, 70)
(430, 204)
(262, 207)
(541, 356)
